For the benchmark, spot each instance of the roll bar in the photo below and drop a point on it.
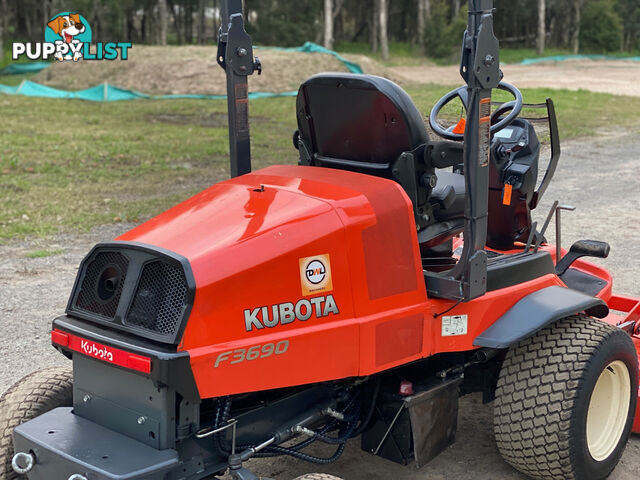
(235, 56)
(480, 69)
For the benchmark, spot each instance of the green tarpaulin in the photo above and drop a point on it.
(562, 58)
(109, 93)
(22, 68)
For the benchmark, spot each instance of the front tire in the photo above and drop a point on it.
(565, 400)
(35, 394)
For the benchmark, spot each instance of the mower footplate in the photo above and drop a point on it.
(65, 444)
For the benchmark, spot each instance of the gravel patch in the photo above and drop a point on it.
(618, 77)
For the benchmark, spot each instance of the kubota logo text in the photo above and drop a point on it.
(284, 313)
(91, 349)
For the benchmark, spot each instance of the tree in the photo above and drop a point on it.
(424, 17)
(375, 26)
(456, 8)
(201, 24)
(542, 31)
(421, 19)
(163, 21)
(384, 40)
(575, 37)
(601, 27)
(328, 24)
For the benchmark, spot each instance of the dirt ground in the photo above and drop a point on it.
(619, 77)
(193, 70)
(598, 175)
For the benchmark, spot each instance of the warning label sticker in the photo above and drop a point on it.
(453, 325)
(484, 134)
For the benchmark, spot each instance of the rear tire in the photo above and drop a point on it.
(565, 400)
(35, 394)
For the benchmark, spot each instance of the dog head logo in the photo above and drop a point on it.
(70, 29)
(68, 36)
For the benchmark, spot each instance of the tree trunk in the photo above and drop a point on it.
(328, 24)
(456, 8)
(4, 12)
(421, 18)
(575, 39)
(188, 23)
(163, 21)
(201, 24)
(427, 10)
(542, 31)
(132, 33)
(375, 26)
(384, 40)
(144, 25)
(176, 20)
(5, 17)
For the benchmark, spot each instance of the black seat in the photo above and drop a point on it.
(370, 125)
(357, 122)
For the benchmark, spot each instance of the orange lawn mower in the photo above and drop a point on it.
(361, 292)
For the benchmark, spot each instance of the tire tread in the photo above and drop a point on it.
(537, 387)
(34, 395)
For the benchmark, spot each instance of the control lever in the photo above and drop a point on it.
(546, 224)
(582, 248)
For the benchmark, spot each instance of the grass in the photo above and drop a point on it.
(400, 53)
(403, 54)
(70, 165)
(43, 253)
(517, 55)
(14, 79)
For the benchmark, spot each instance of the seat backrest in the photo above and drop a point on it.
(357, 122)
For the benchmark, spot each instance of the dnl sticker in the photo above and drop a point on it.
(453, 325)
(315, 274)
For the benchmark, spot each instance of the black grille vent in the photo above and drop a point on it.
(108, 268)
(160, 299)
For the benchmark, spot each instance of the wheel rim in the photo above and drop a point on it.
(608, 410)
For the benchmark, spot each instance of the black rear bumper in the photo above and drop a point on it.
(65, 444)
(168, 366)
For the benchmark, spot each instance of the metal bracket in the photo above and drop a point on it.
(235, 56)
(569, 208)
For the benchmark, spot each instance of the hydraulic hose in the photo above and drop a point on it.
(374, 399)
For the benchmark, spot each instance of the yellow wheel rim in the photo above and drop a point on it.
(608, 409)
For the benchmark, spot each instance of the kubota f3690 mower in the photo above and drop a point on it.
(358, 293)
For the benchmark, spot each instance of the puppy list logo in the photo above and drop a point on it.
(68, 36)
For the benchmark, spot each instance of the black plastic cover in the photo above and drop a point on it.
(537, 310)
(137, 288)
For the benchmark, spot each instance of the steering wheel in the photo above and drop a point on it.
(497, 123)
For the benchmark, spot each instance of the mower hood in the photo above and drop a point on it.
(260, 244)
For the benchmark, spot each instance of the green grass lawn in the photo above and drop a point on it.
(70, 164)
(403, 54)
